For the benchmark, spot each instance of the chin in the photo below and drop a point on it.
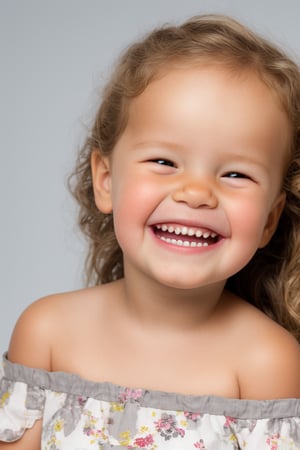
(183, 283)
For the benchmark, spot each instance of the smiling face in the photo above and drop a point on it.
(194, 182)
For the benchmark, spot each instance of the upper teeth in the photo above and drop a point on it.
(186, 231)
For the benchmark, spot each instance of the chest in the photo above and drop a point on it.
(188, 366)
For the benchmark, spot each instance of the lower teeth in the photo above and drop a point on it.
(181, 243)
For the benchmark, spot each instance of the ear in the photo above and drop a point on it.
(100, 165)
(273, 219)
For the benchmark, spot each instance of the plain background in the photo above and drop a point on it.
(55, 56)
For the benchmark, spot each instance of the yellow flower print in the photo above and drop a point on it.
(125, 438)
(233, 438)
(4, 399)
(58, 426)
(53, 441)
(117, 407)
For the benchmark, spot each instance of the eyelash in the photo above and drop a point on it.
(230, 175)
(163, 162)
(236, 175)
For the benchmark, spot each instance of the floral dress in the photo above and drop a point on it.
(82, 415)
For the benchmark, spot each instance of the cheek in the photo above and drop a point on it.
(133, 203)
(247, 226)
(249, 222)
(135, 194)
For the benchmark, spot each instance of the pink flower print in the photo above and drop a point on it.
(81, 401)
(199, 444)
(229, 422)
(192, 416)
(130, 394)
(143, 442)
(88, 430)
(167, 427)
(272, 441)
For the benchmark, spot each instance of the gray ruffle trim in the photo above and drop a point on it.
(105, 391)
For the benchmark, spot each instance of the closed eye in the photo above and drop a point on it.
(163, 162)
(236, 175)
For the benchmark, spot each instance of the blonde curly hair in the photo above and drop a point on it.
(271, 280)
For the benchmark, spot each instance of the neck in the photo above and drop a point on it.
(154, 305)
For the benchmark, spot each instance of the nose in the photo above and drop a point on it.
(196, 194)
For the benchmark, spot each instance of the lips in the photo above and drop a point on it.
(184, 236)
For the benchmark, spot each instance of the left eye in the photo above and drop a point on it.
(236, 175)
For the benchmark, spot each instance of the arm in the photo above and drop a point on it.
(31, 440)
(271, 367)
(30, 343)
(30, 346)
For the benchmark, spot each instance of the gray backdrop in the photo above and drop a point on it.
(55, 56)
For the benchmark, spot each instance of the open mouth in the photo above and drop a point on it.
(184, 236)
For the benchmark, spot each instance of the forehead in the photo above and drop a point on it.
(210, 102)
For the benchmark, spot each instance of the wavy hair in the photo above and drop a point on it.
(271, 280)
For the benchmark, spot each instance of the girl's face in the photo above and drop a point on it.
(195, 180)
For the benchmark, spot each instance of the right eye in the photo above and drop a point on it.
(163, 162)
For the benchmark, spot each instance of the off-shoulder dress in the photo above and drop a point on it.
(78, 414)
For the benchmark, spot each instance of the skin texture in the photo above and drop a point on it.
(175, 121)
(203, 149)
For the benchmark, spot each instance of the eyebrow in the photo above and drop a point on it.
(241, 156)
(245, 159)
(164, 144)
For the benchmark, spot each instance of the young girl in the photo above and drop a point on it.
(189, 193)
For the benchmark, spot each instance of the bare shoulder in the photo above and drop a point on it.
(47, 320)
(269, 365)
